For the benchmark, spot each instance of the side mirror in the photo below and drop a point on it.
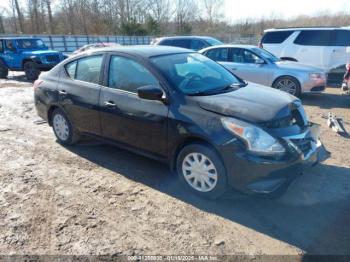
(150, 93)
(259, 61)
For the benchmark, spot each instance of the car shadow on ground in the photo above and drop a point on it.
(312, 215)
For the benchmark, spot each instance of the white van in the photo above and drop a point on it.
(324, 47)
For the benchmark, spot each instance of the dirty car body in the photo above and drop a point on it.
(253, 138)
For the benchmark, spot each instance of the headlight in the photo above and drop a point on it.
(256, 139)
(316, 76)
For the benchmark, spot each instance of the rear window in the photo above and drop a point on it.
(314, 37)
(276, 37)
(341, 38)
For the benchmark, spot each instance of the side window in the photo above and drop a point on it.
(128, 75)
(88, 69)
(9, 45)
(1, 46)
(218, 54)
(276, 37)
(71, 68)
(341, 38)
(166, 42)
(184, 43)
(243, 56)
(314, 37)
(197, 44)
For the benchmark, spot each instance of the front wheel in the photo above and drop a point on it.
(288, 84)
(31, 70)
(202, 171)
(63, 129)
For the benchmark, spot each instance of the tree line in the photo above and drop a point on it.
(142, 17)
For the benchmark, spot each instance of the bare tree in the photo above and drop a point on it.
(49, 13)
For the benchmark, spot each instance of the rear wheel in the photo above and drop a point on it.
(63, 129)
(3, 70)
(31, 70)
(202, 171)
(288, 84)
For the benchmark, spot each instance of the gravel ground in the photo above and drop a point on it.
(97, 199)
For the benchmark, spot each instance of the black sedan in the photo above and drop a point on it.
(177, 106)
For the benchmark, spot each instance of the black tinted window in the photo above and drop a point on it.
(341, 38)
(314, 37)
(198, 44)
(276, 37)
(128, 75)
(166, 42)
(185, 43)
(88, 69)
(218, 54)
(1, 47)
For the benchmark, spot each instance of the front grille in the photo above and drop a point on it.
(52, 58)
(304, 145)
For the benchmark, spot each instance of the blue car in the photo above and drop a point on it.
(30, 55)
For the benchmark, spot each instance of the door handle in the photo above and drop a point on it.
(62, 92)
(233, 68)
(110, 104)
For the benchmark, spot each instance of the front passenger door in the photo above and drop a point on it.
(243, 64)
(126, 118)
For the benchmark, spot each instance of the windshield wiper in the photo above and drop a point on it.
(230, 87)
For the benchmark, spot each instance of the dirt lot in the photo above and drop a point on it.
(97, 199)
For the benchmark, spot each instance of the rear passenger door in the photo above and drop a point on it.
(79, 91)
(125, 117)
(313, 47)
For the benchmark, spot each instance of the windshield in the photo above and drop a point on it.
(30, 43)
(213, 41)
(195, 74)
(266, 55)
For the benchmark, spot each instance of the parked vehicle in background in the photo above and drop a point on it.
(190, 42)
(259, 66)
(30, 55)
(180, 107)
(324, 47)
(95, 45)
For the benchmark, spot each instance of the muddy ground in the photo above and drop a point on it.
(94, 198)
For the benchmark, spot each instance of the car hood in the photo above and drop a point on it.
(253, 103)
(290, 65)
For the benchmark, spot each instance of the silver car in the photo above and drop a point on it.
(259, 66)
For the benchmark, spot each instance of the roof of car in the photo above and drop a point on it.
(144, 51)
(229, 46)
(184, 37)
(305, 28)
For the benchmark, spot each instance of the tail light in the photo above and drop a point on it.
(37, 83)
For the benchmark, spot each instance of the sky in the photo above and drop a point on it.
(236, 10)
(241, 9)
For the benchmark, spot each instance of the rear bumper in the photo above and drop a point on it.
(259, 175)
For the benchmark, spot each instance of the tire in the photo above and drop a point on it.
(31, 70)
(4, 71)
(64, 131)
(211, 161)
(283, 82)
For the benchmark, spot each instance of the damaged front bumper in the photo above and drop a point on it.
(259, 175)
